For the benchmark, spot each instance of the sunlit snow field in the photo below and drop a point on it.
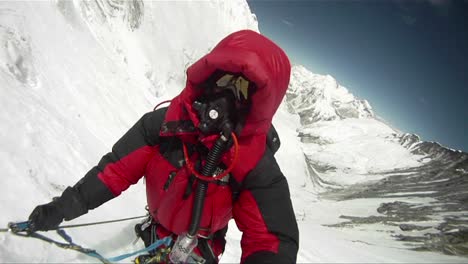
(74, 76)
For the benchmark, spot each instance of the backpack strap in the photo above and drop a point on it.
(273, 144)
(273, 141)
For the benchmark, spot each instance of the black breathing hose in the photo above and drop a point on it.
(214, 156)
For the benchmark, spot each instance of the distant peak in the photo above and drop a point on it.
(319, 97)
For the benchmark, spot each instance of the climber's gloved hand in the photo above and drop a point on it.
(45, 217)
(68, 206)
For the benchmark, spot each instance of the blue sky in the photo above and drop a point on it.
(407, 58)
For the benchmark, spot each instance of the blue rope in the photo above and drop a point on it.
(165, 241)
(93, 253)
(21, 228)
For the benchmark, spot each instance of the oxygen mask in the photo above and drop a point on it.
(217, 113)
(223, 103)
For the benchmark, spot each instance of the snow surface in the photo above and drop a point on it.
(356, 148)
(76, 75)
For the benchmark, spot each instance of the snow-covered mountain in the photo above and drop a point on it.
(75, 75)
(316, 97)
(419, 187)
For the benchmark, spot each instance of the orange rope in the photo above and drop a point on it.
(217, 177)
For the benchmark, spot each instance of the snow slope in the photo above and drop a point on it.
(406, 192)
(76, 75)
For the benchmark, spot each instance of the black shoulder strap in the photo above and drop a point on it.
(161, 114)
(273, 144)
(235, 188)
(273, 140)
(170, 147)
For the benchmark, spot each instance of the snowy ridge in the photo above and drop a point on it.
(417, 187)
(409, 141)
(343, 139)
(432, 149)
(318, 97)
(130, 13)
(76, 75)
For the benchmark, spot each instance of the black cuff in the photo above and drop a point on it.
(71, 204)
(92, 190)
(264, 257)
(89, 193)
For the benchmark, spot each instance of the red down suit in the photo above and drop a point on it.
(152, 148)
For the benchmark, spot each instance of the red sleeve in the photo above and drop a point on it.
(126, 164)
(264, 214)
(122, 173)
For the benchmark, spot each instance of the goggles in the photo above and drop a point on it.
(237, 84)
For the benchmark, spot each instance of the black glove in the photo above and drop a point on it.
(48, 216)
(45, 217)
(87, 194)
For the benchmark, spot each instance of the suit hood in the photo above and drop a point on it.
(254, 56)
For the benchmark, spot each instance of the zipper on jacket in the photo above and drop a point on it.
(169, 179)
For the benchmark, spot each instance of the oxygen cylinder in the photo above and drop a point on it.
(182, 248)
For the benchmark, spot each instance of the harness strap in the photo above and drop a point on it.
(207, 252)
